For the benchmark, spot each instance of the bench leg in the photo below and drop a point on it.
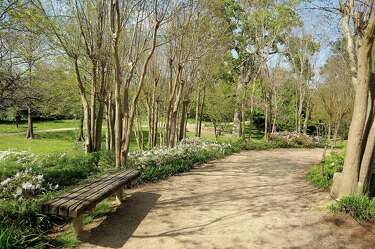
(78, 224)
(120, 196)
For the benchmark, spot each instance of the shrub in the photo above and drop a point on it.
(32, 181)
(35, 174)
(160, 163)
(332, 164)
(359, 207)
(293, 139)
(22, 225)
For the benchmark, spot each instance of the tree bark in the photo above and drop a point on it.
(349, 179)
(201, 112)
(305, 123)
(133, 109)
(80, 137)
(30, 126)
(185, 105)
(85, 105)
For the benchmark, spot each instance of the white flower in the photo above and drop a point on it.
(27, 185)
(6, 181)
(18, 192)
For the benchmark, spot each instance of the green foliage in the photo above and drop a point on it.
(66, 239)
(22, 224)
(332, 164)
(57, 169)
(359, 207)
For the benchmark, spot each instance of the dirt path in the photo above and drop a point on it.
(254, 199)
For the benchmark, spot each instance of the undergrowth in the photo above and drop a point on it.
(359, 207)
(321, 175)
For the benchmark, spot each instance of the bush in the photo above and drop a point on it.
(293, 139)
(332, 164)
(160, 163)
(36, 174)
(30, 181)
(359, 207)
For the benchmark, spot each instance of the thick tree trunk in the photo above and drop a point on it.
(354, 149)
(369, 147)
(366, 165)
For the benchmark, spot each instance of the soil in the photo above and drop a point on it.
(253, 199)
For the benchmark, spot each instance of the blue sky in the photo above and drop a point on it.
(324, 26)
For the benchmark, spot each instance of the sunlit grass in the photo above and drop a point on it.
(39, 125)
(46, 142)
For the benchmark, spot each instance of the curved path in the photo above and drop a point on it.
(254, 199)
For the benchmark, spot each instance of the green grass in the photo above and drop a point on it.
(47, 142)
(359, 207)
(50, 142)
(39, 125)
(333, 163)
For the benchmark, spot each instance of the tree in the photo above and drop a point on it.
(355, 177)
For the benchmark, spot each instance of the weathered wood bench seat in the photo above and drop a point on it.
(84, 198)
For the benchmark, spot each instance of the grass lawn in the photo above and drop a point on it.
(45, 142)
(40, 125)
(49, 142)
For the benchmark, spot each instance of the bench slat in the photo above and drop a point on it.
(52, 206)
(93, 200)
(67, 208)
(85, 197)
(63, 209)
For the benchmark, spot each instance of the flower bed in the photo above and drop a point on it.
(159, 163)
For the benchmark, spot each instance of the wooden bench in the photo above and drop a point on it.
(84, 198)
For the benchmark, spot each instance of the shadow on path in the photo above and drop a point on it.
(119, 226)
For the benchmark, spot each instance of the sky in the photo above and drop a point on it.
(324, 26)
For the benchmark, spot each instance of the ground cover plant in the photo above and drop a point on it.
(321, 175)
(359, 207)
